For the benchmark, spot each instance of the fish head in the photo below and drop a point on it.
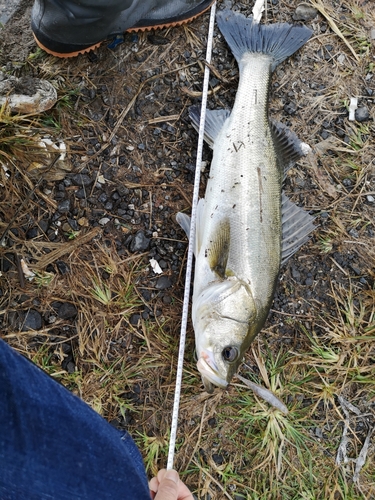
(225, 323)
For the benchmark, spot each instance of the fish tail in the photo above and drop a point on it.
(243, 35)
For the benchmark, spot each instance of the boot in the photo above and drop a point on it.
(66, 28)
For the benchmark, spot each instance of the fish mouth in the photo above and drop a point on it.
(210, 376)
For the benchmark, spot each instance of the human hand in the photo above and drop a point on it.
(168, 486)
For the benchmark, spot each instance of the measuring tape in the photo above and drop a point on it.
(189, 264)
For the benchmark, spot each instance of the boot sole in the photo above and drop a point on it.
(136, 29)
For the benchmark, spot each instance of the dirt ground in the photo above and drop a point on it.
(102, 322)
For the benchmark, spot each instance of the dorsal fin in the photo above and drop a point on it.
(289, 148)
(297, 224)
(214, 121)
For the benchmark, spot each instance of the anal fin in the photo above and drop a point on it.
(297, 224)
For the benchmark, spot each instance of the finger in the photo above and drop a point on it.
(153, 484)
(168, 485)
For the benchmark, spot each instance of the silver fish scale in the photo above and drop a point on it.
(245, 188)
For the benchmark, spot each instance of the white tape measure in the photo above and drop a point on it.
(189, 264)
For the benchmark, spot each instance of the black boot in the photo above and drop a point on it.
(66, 28)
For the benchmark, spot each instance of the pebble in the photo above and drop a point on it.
(304, 12)
(62, 267)
(318, 433)
(67, 311)
(6, 262)
(139, 243)
(212, 422)
(103, 221)
(353, 232)
(163, 282)
(81, 180)
(295, 273)
(362, 114)
(103, 198)
(290, 108)
(370, 198)
(63, 207)
(134, 319)
(32, 321)
(167, 299)
(218, 459)
(70, 367)
(32, 233)
(43, 225)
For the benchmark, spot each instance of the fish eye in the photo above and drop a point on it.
(230, 354)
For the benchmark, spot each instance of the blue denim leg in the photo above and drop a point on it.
(53, 446)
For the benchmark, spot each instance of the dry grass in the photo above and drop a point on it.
(317, 350)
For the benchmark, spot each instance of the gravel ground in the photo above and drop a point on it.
(122, 115)
(7, 9)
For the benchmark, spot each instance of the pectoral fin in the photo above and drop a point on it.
(217, 252)
(214, 121)
(185, 221)
(297, 224)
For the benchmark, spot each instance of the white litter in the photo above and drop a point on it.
(155, 266)
(352, 107)
(26, 271)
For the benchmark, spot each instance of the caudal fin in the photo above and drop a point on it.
(243, 35)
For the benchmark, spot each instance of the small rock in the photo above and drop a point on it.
(309, 281)
(43, 225)
(134, 319)
(163, 282)
(167, 299)
(139, 243)
(212, 422)
(103, 198)
(32, 321)
(73, 224)
(6, 262)
(83, 222)
(304, 12)
(70, 367)
(370, 198)
(63, 207)
(62, 267)
(353, 232)
(67, 311)
(26, 94)
(356, 270)
(81, 180)
(32, 233)
(290, 108)
(318, 433)
(362, 114)
(295, 273)
(104, 221)
(218, 459)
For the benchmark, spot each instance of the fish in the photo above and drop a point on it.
(246, 227)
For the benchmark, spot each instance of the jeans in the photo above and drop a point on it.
(53, 446)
